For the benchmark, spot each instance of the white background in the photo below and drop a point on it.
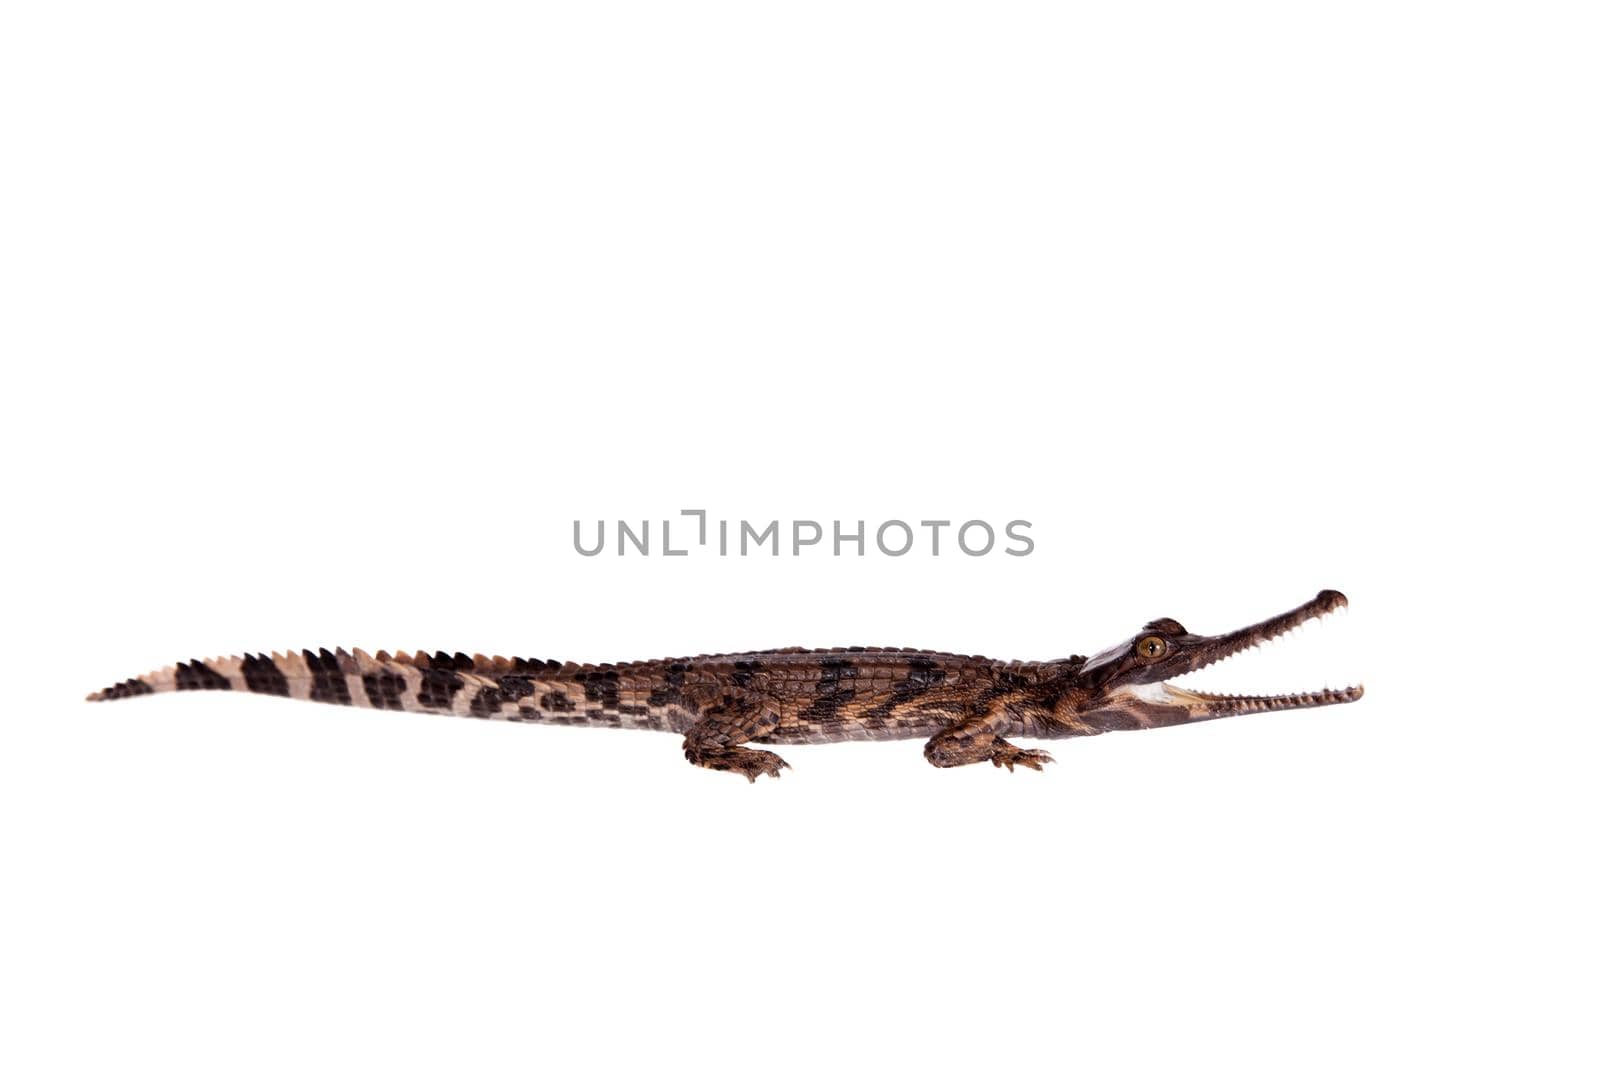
(322, 322)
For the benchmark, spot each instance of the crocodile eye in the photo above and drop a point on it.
(1151, 647)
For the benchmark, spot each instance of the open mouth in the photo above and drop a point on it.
(1201, 696)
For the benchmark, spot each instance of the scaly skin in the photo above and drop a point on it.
(964, 705)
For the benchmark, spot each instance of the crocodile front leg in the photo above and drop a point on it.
(976, 738)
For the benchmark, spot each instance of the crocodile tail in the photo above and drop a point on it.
(401, 681)
(440, 684)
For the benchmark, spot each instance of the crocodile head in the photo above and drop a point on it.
(1128, 686)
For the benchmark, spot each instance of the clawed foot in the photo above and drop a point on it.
(753, 763)
(761, 762)
(750, 762)
(1008, 756)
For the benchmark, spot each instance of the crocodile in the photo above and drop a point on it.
(966, 706)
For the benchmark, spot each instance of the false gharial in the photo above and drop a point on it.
(966, 706)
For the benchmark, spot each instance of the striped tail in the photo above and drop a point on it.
(481, 687)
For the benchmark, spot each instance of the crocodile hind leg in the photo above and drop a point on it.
(975, 739)
(717, 740)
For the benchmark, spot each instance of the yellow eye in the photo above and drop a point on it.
(1152, 647)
